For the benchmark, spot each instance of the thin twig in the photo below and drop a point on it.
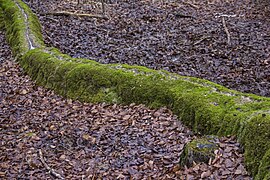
(103, 7)
(66, 13)
(52, 171)
(226, 31)
(55, 20)
(201, 40)
(225, 15)
(192, 5)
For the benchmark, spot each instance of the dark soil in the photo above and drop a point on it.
(172, 35)
(44, 136)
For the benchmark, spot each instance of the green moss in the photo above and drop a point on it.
(17, 28)
(2, 22)
(264, 168)
(256, 140)
(33, 26)
(84, 81)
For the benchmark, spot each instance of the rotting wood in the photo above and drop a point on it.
(52, 171)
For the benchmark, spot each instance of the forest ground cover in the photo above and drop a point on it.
(226, 42)
(44, 136)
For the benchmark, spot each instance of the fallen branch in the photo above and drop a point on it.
(66, 13)
(52, 171)
(226, 31)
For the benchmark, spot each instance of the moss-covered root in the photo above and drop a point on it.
(22, 26)
(2, 22)
(93, 82)
(257, 144)
(264, 168)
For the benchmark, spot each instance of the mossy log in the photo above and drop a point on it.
(206, 107)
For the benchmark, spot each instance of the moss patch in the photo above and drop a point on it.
(256, 136)
(264, 168)
(2, 22)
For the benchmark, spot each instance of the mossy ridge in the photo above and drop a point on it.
(264, 168)
(16, 27)
(2, 21)
(205, 106)
(256, 136)
(33, 25)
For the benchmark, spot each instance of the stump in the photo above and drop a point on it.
(198, 151)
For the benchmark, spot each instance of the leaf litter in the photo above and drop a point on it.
(44, 136)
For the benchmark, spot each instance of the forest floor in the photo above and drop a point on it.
(43, 135)
(224, 41)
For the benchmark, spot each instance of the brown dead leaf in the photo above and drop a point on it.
(62, 157)
(126, 117)
(2, 174)
(228, 163)
(23, 92)
(206, 174)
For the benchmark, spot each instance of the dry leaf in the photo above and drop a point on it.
(206, 174)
